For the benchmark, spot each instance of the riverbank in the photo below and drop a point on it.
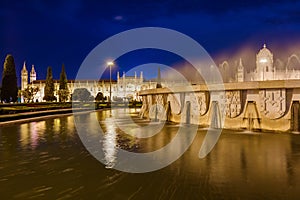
(17, 113)
(35, 116)
(17, 108)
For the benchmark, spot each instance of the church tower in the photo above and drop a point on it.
(158, 84)
(240, 72)
(118, 76)
(264, 65)
(32, 74)
(141, 77)
(24, 77)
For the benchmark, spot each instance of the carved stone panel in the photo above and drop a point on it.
(157, 112)
(272, 102)
(233, 106)
(159, 99)
(199, 104)
(149, 100)
(175, 104)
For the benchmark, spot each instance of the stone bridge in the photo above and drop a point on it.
(260, 105)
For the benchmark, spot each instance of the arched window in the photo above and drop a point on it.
(267, 68)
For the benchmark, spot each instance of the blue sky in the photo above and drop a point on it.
(49, 33)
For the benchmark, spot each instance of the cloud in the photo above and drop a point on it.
(119, 18)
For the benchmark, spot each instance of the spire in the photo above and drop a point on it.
(118, 75)
(32, 69)
(32, 74)
(265, 46)
(141, 76)
(24, 67)
(240, 63)
(240, 71)
(158, 85)
(24, 77)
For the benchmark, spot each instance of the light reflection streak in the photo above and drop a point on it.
(24, 135)
(33, 135)
(110, 143)
(57, 125)
(70, 124)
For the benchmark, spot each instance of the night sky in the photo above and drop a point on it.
(49, 33)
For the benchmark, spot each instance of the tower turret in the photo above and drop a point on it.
(141, 77)
(158, 84)
(32, 74)
(240, 71)
(24, 77)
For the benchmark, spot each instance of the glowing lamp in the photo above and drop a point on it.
(110, 63)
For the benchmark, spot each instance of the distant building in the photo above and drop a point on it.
(265, 69)
(126, 87)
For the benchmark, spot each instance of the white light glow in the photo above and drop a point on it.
(110, 63)
(110, 144)
(263, 60)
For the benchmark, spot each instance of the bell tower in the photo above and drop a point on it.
(32, 74)
(24, 77)
(240, 72)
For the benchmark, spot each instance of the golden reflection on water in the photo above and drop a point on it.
(241, 166)
(70, 124)
(32, 133)
(29, 134)
(57, 125)
(24, 135)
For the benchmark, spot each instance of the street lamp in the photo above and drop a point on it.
(110, 64)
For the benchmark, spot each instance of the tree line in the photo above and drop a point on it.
(9, 89)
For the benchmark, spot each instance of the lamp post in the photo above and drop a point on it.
(110, 64)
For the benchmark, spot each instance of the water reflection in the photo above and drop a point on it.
(47, 159)
(110, 143)
(29, 135)
(25, 135)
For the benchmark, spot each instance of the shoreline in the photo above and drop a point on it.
(10, 119)
(39, 115)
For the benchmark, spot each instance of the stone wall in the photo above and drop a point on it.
(268, 105)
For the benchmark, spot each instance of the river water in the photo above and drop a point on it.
(46, 159)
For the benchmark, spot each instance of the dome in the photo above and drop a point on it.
(264, 52)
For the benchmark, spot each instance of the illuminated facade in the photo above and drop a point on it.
(265, 69)
(126, 87)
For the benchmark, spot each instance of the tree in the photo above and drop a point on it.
(63, 91)
(81, 94)
(63, 95)
(9, 92)
(29, 93)
(49, 86)
(99, 97)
